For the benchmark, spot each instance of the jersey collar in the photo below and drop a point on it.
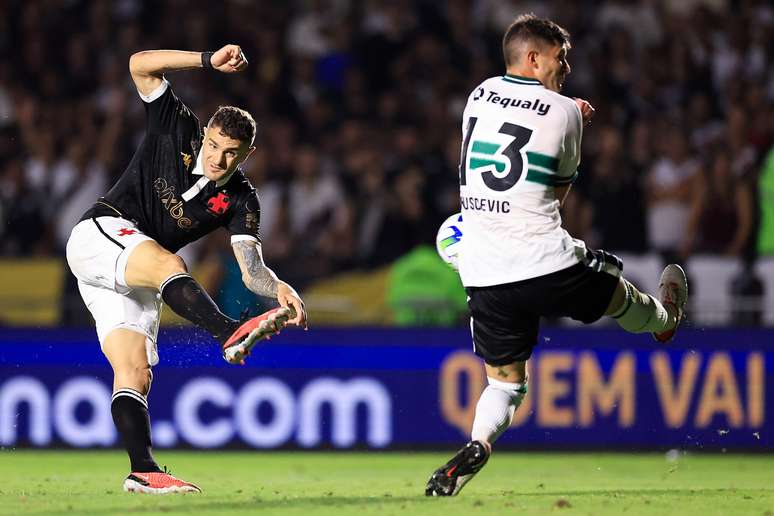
(198, 170)
(518, 79)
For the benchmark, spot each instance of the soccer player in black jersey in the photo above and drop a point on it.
(181, 184)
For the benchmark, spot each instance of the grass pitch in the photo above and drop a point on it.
(321, 484)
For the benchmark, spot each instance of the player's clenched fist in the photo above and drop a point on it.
(586, 109)
(229, 59)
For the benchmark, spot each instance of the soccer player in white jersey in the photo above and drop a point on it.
(520, 154)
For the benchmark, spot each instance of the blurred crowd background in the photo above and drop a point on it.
(359, 105)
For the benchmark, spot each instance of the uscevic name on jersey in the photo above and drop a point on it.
(484, 204)
(493, 97)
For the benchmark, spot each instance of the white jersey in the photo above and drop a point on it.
(520, 140)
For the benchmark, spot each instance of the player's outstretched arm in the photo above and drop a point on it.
(261, 280)
(148, 67)
(586, 109)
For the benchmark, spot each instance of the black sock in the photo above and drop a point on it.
(130, 414)
(189, 300)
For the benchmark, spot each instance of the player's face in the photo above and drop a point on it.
(553, 67)
(221, 153)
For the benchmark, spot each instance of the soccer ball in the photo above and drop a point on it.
(447, 241)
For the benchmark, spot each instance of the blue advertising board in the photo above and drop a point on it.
(391, 388)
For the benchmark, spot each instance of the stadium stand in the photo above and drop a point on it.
(358, 105)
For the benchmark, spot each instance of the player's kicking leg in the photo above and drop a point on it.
(637, 312)
(152, 266)
(127, 352)
(494, 412)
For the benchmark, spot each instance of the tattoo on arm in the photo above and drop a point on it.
(256, 275)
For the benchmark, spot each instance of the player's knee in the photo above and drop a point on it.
(137, 377)
(171, 264)
(515, 372)
(514, 390)
(143, 376)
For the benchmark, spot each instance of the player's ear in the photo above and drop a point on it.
(247, 154)
(532, 58)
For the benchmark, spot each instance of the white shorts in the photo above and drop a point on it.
(97, 252)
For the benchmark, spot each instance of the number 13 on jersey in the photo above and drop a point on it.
(502, 165)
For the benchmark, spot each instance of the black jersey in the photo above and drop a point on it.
(149, 192)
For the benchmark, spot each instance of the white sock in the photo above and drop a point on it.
(495, 409)
(642, 313)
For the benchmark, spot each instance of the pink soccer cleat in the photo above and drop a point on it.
(238, 346)
(159, 482)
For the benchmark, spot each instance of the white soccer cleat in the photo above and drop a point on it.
(672, 291)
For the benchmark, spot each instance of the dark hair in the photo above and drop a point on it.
(235, 123)
(529, 27)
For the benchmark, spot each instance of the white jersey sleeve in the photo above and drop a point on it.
(571, 146)
(520, 142)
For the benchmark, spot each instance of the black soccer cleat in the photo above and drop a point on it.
(452, 476)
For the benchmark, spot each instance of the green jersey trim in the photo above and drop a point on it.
(543, 161)
(538, 176)
(485, 147)
(517, 79)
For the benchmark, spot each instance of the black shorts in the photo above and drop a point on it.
(505, 318)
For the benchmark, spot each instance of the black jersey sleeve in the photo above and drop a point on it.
(164, 109)
(245, 219)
